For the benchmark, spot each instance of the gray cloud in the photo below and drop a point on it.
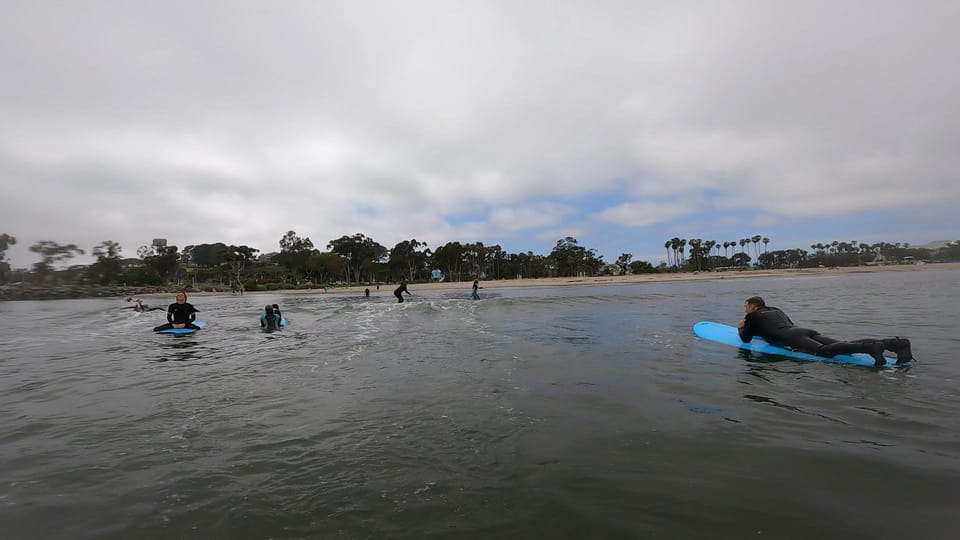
(236, 121)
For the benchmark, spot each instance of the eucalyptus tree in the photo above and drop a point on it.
(294, 252)
(450, 258)
(5, 242)
(108, 266)
(623, 262)
(570, 258)
(408, 258)
(359, 254)
(238, 257)
(52, 253)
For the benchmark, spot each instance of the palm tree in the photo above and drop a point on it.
(756, 240)
(683, 244)
(666, 246)
(765, 242)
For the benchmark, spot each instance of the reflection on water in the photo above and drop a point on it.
(180, 348)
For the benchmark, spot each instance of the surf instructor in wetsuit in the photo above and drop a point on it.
(180, 314)
(401, 289)
(774, 326)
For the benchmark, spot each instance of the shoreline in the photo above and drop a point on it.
(597, 280)
(73, 292)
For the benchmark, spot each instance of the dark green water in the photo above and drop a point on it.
(565, 412)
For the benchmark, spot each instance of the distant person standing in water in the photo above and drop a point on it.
(366, 292)
(401, 289)
(476, 285)
(774, 326)
(180, 314)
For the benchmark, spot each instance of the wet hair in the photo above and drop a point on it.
(181, 291)
(274, 306)
(756, 301)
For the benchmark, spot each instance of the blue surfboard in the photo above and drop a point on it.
(723, 333)
(201, 324)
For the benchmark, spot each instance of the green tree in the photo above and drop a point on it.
(475, 258)
(206, 255)
(360, 253)
(5, 242)
(52, 253)
(570, 258)
(642, 267)
(623, 262)
(408, 259)
(324, 266)
(108, 266)
(449, 257)
(294, 252)
(238, 257)
(163, 264)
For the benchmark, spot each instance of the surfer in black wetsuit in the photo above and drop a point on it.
(270, 320)
(401, 289)
(476, 285)
(140, 307)
(180, 314)
(276, 311)
(774, 326)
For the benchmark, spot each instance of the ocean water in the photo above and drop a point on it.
(536, 412)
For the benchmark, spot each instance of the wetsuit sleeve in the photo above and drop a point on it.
(746, 333)
(193, 311)
(170, 313)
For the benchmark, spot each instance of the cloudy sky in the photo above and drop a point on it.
(516, 123)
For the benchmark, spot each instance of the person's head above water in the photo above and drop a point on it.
(274, 306)
(753, 303)
(268, 309)
(181, 297)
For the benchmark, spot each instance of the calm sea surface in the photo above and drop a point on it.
(537, 412)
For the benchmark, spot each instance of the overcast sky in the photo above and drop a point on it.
(516, 123)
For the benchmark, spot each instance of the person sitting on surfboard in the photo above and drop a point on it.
(270, 320)
(180, 314)
(774, 326)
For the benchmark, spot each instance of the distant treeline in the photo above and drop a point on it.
(360, 259)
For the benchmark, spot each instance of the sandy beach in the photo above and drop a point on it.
(606, 280)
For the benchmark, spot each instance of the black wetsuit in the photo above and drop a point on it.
(401, 289)
(270, 320)
(180, 314)
(774, 326)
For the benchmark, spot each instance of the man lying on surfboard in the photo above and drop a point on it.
(774, 326)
